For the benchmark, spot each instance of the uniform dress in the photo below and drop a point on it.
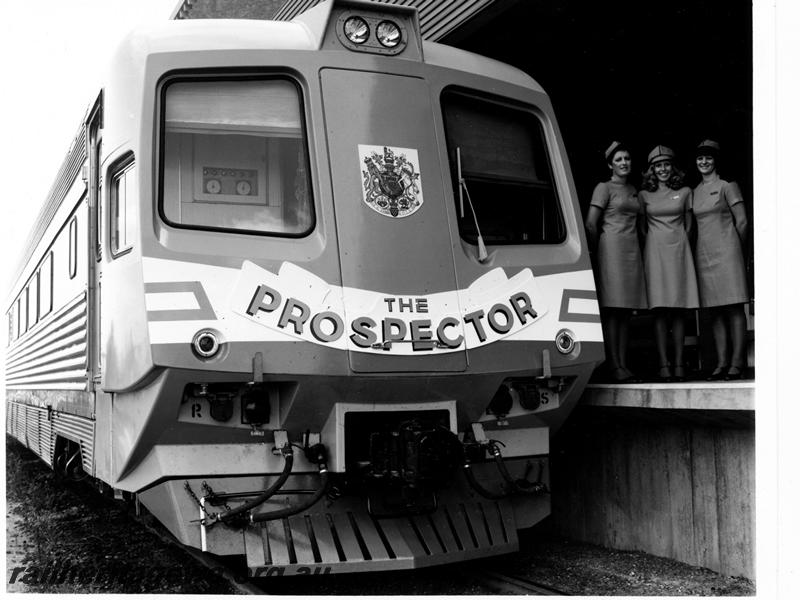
(719, 260)
(621, 275)
(668, 264)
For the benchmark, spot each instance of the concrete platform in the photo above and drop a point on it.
(713, 404)
(668, 469)
(696, 395)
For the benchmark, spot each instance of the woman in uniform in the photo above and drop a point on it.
(611, 225)
(722, 279)
(668, 263)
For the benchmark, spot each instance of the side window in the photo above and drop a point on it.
(46, 286)
(27, 307)
(73, 247)
(34, 299)
(123, 206)
(20, 323)
(501, 153)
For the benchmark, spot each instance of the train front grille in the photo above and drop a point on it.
(344, 538)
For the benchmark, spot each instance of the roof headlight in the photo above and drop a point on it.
(356, 30)
(388, 34)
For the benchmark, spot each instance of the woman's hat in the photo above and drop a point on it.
(613, 148)
(707, 148)
(660, 153)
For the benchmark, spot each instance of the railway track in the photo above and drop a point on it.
(501, 583)
(241, 584)
(496, 582)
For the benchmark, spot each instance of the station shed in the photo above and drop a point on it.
(667, 469)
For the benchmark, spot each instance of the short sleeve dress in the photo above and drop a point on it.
(621, 274)
(668, 264)
(719, 260)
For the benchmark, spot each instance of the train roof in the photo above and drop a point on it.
(304, 32)
(298, 34)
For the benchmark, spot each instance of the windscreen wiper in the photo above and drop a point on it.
(462, 189)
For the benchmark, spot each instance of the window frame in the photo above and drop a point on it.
(19, 316)
(506, 103)
(46, 266)
(196, 77)
(33, 284)
(119, 169)
(72, 243)
(27, 303)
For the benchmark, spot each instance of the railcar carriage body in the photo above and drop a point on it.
(320, 293)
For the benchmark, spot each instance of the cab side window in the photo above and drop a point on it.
(123, 208)
(73, 247)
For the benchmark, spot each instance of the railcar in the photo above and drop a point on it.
(315, 293)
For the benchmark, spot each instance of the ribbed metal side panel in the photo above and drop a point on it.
(292, 8)
(349, 540)
(52, 356)
(78, 429)
(31, 429)
(45, 437)
(21, 424)
(30, 425)
(437, 18)
(15, 417)
(75, 158)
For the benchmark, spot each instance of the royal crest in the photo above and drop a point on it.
(391, 180)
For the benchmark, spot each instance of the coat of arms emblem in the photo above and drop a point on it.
(391, 180)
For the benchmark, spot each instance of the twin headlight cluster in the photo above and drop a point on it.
(358, 31)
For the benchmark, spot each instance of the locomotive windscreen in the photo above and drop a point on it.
(234, 157)
(505, 165)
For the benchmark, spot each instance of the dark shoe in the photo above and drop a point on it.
(734, 373)
(665, 374)
(680, 373)
(620, 375)
(718, 374)
(632, 378)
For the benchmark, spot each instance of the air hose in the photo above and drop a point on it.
(479, 488)
(535, 487)
(232, 514)
(293, 510)
(513, 485)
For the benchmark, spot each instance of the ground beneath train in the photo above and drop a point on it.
(69, 538)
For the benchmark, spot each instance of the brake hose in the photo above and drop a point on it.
(536, 487)
(288, 457)
(293, 510)
(479, 488)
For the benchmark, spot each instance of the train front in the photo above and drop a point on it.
(364, 300)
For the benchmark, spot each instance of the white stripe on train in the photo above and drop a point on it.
(295, 304)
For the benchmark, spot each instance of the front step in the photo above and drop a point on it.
(343, 538)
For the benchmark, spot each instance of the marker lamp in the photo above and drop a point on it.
(205, 343)
(565, 341)
(356, 30)
(388, 34)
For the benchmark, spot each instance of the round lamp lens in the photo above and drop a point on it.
(356, 30)
(565, 341)
(388, 34)
(205, 344)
